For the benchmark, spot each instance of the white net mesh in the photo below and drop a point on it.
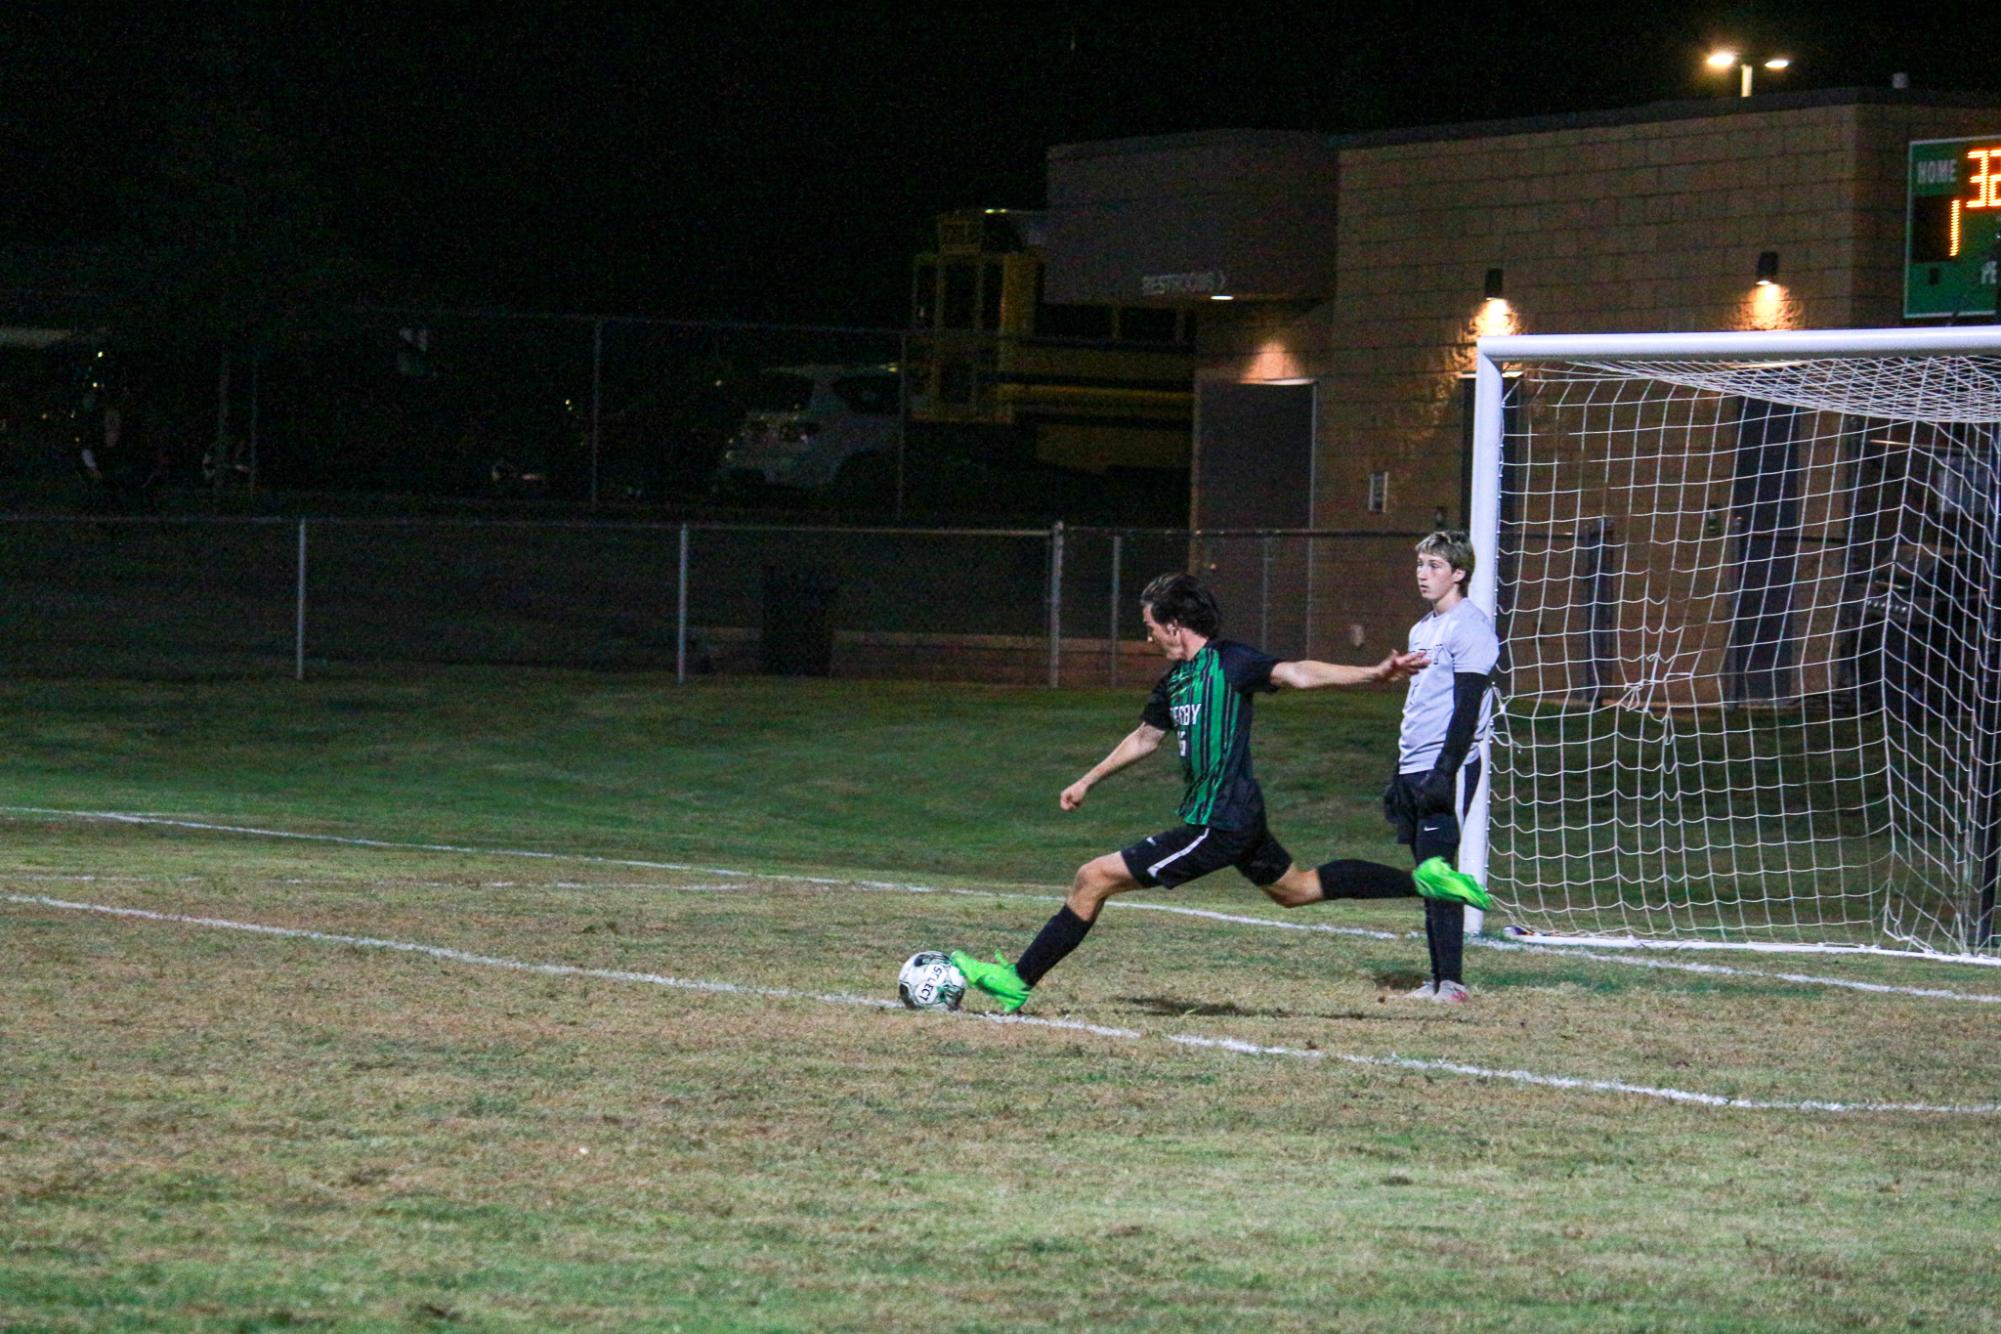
(1752, 667)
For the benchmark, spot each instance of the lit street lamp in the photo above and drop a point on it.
(1725, 59)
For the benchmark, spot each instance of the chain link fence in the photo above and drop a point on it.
(157, 598)
(590, 416)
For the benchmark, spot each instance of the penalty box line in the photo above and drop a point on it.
(726, 872)
(1231, 1046)
(737, 873)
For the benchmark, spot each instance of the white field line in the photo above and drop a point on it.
(834, 882)
(892, 886)
(1232, 1046)
(1734, 946)
(1808, 979)
(749, 885)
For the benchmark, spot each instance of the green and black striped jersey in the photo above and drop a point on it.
(1207, 702)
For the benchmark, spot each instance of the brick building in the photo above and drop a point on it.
(1341, 282)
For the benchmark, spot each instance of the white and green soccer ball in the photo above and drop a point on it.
(929, 981)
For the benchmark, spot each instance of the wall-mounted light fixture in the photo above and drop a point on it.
(1766, 307)
(1495, 316)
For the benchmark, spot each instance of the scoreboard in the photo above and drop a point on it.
(1953, 193)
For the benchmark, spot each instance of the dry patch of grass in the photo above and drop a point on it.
(203, 1127)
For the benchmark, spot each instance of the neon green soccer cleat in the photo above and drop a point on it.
(998, 979)
(1436, 879)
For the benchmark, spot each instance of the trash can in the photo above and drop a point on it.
(798, 635)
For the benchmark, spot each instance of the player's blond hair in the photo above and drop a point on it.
(1451, 546)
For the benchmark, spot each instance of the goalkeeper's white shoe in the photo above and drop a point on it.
(1452, 993)
(1429, 991)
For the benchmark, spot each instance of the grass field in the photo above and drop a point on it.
(539, 1000)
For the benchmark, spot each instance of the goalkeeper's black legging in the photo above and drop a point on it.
(1445, 921)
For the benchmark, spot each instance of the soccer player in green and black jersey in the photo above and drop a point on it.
(1206, 699)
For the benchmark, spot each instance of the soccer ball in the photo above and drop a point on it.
(929, 981)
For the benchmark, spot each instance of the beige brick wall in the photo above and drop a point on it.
(1615, 228)
(1630, 227)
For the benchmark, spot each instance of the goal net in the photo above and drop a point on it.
(1746, 587)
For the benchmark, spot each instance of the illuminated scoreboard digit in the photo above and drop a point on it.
(1954, 197)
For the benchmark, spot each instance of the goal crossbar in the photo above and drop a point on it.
(1750, 345)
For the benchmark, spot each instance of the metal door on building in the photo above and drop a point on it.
(1254, 470)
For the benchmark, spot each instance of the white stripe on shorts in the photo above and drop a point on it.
(1154, 870)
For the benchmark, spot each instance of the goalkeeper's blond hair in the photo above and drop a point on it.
(1451, 546)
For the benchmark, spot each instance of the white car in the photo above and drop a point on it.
(805, 422)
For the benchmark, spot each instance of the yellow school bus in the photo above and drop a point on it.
(1090, 387)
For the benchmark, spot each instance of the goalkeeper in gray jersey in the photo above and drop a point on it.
(1445, 716)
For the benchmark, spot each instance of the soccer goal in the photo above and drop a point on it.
(1747, 591)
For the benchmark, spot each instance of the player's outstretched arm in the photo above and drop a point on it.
(1307, 674)
(1139, 743)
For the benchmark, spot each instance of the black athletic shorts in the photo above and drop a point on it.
(1432, 835)
(1188, 852)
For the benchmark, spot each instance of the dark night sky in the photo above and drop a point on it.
(773, 162)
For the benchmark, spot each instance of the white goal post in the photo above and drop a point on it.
(1748, 587)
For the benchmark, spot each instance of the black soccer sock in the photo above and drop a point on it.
(1363, 880)
(1059, 935)
(1445, 933)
